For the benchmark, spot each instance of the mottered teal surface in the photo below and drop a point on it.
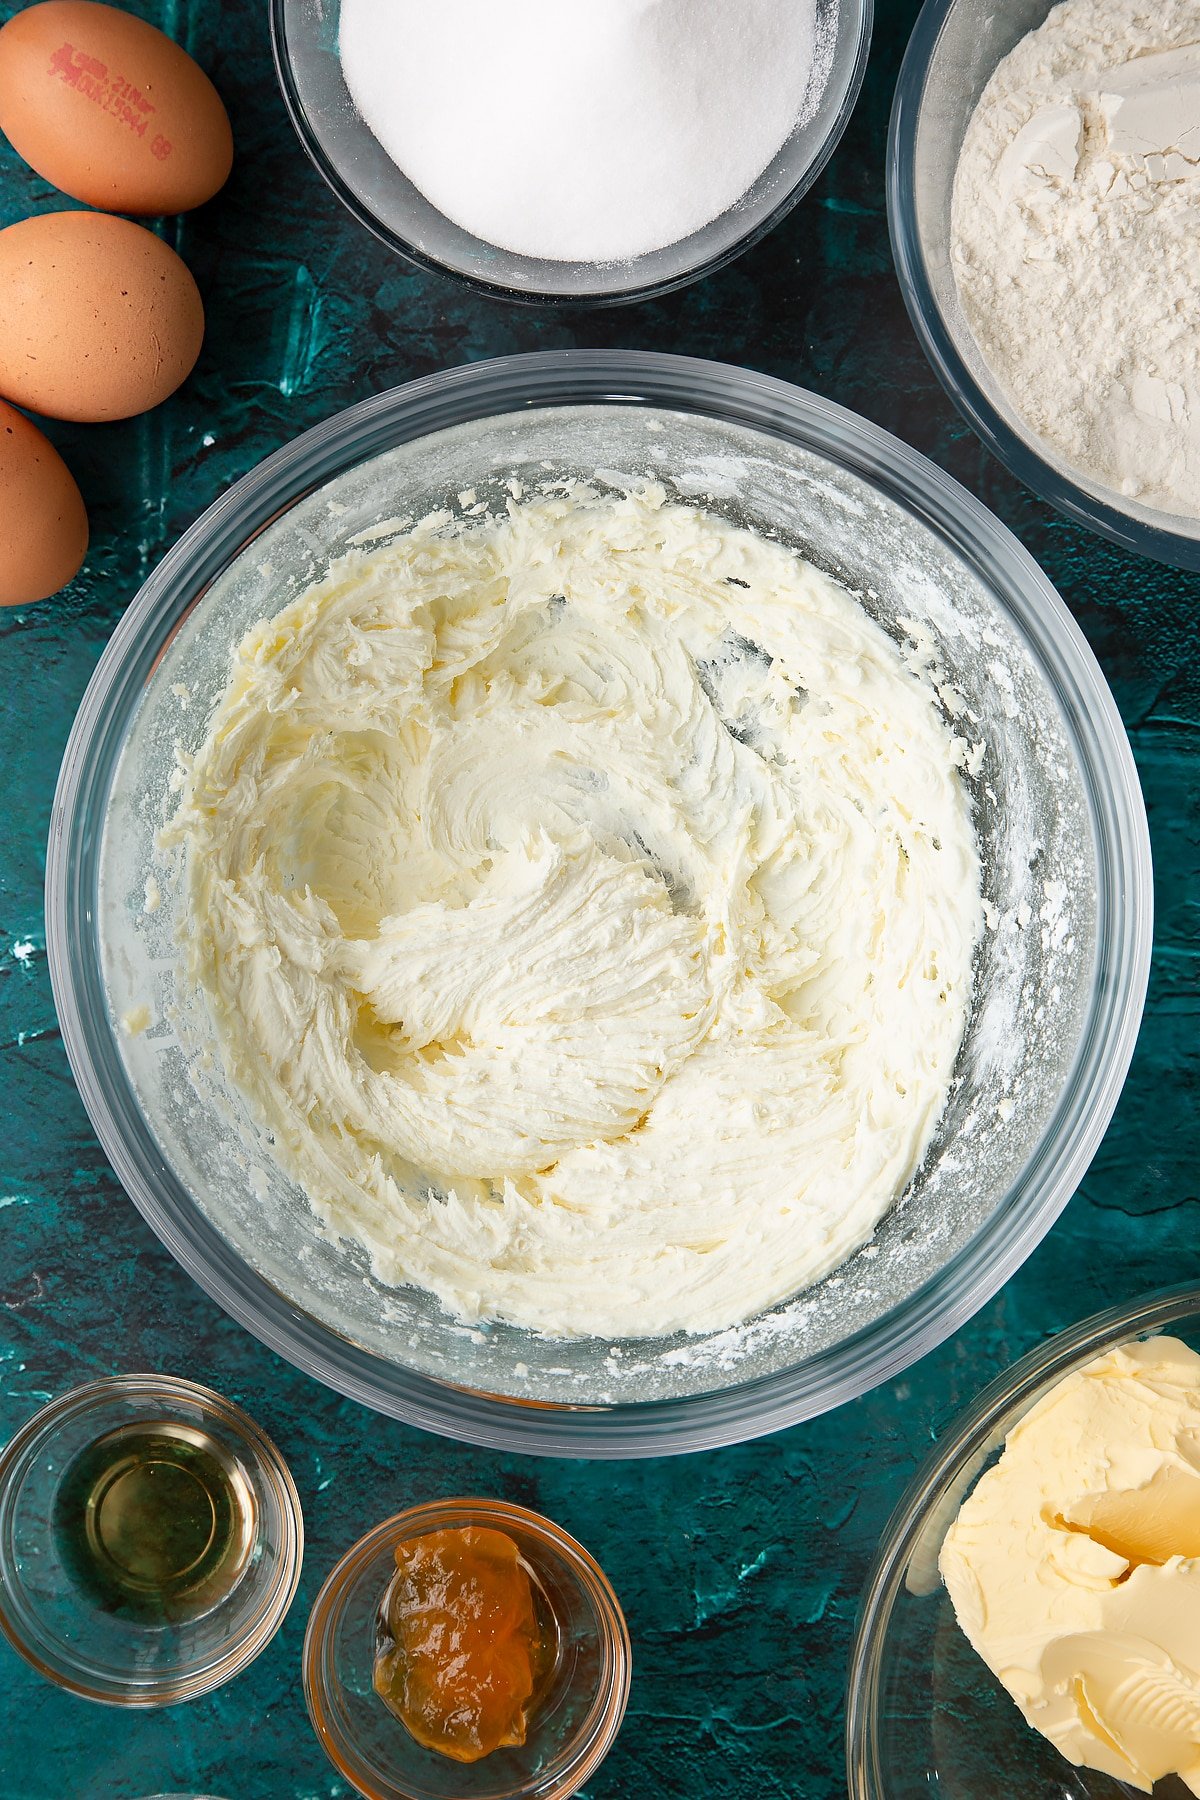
(739, 1570)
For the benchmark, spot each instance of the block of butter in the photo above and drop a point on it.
(1074, 1564)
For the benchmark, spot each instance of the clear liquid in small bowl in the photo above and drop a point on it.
(155, 1522)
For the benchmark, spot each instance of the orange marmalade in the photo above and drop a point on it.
(461, 1647)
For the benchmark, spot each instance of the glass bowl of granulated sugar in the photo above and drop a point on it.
(596, 153)
(1044, 219)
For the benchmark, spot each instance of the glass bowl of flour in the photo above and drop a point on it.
(915, 569)
(1043, 199)
(596, 153)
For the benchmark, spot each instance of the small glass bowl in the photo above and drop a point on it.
(380, 196)
(73, 1638)
(572, 1726)
(925, 1717)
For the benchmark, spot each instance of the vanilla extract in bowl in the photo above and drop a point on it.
(156, 1520)
(151, 1539)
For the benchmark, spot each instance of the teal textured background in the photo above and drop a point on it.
(739, 1570)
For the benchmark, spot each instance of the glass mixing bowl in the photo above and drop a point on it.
(368, 183)
(951, 56)
(1060, 981)
(925, 1717)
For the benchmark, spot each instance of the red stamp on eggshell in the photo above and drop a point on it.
(91, 78)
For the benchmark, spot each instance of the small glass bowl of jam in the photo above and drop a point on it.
(466, 1650)
(150, 1540)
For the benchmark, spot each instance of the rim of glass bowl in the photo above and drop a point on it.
(1018, 454)
(1123, 917)
(967, 1437)
(18, 1622)
(331, 175)
(596, 1733)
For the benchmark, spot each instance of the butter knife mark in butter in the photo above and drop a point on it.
(1140, 1707)
(1150, 1525)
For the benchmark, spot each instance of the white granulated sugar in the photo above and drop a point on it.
(1076, 241)
(580, 130)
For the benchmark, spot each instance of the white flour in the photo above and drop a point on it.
(595, 130)
(1076, 240)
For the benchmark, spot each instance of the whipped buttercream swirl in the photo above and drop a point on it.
(584, 901)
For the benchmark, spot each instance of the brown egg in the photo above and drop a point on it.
(110, 110)
(43, 527)
(99, 319)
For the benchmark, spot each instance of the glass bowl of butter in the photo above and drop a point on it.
(1059, 965)
(1031, 1625)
